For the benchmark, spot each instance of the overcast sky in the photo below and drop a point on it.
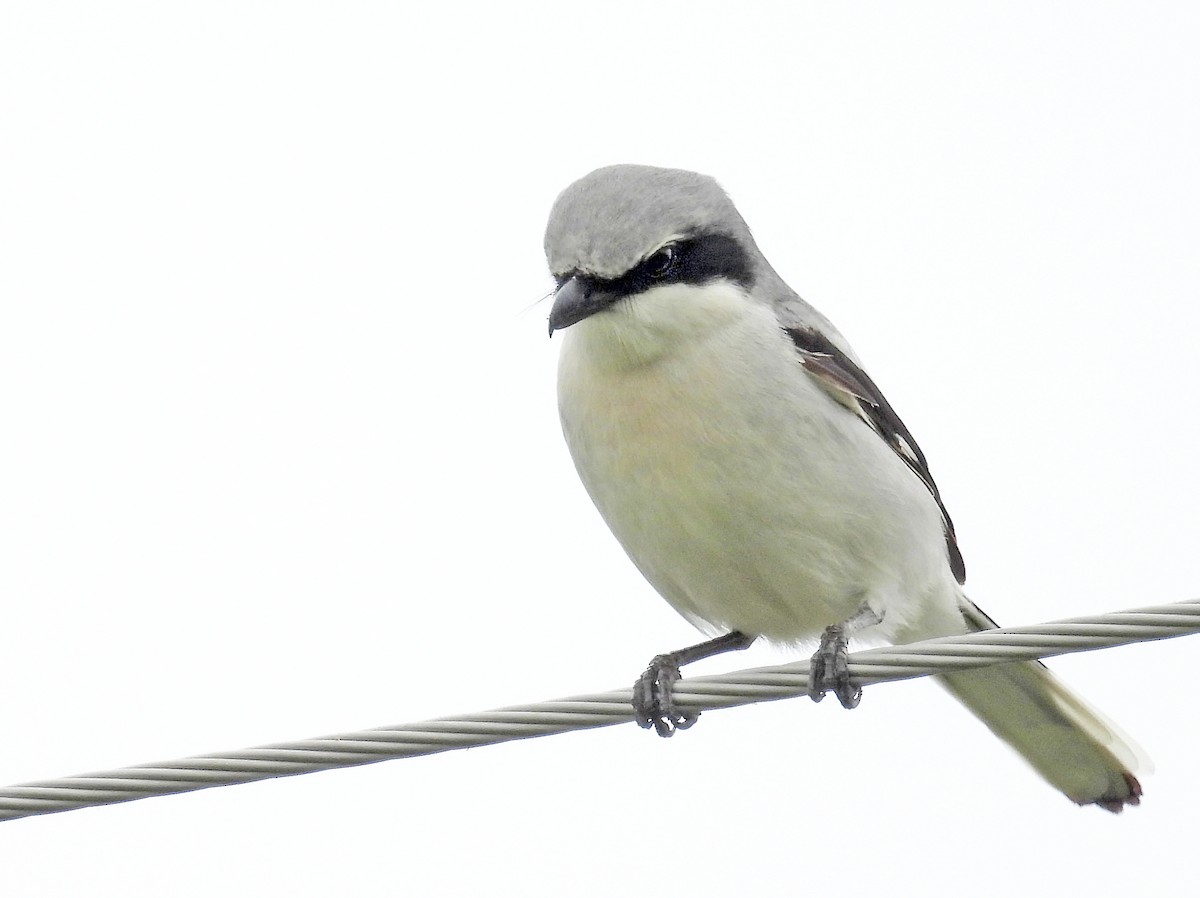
(280, 455)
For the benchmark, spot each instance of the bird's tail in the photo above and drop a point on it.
(1073, 747)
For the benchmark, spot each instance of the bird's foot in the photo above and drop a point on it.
(830, 669)
(654, 699)
(653, 693)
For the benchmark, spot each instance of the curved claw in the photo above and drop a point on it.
(829, 670)
(654, 702)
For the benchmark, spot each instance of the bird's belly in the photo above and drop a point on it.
(770, 511)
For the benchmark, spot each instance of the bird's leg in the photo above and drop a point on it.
(829, 669)
(653, 699)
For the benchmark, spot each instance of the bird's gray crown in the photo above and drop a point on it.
(609, 220)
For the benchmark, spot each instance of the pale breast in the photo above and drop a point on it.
(744, 494)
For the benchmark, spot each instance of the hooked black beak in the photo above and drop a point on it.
(575, 300)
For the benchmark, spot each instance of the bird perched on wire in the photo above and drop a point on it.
(756, 475)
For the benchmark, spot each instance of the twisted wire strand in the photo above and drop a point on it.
(590, 711)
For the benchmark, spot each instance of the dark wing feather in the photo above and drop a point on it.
(851, 386)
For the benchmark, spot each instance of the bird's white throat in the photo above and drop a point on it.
(643, 329)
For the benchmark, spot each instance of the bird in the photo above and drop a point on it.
(756, 476)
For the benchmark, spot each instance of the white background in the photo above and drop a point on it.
(280, 455)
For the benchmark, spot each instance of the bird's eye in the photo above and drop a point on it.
(661, 263)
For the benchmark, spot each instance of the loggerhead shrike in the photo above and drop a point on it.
(755, 474)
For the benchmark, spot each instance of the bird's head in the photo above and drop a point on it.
(648, 253)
